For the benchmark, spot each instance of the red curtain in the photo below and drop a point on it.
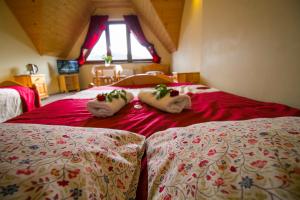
(133, 24)
(96, 27)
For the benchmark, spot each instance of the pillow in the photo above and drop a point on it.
(154, 72)
(253, 159)
(59, 162)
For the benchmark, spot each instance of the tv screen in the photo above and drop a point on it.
(67, 66)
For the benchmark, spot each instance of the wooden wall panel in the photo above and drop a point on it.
(170, 12)
(53, 26)
(112, 3)
(146, 10)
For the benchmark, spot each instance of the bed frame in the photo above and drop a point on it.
(143, 79)
(12, 83)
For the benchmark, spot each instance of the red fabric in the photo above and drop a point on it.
(96, 27)
(29, 97)
(215, 106)
(133, 24)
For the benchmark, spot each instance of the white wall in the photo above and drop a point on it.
(250, 48)
(17, 50)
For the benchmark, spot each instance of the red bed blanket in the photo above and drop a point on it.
(29, 97)
(213, 106)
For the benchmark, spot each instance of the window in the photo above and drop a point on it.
(123, 45)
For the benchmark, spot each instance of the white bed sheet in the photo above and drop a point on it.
(92, 93)
(10, 104)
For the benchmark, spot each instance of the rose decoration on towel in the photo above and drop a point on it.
(165, 99)
(174, 93)
(115, 94)
(161, 91)
(101, 97)
(107, 104)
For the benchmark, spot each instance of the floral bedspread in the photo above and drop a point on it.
(59, 162)
(252, 159)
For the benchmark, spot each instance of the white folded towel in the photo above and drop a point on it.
(169, 104)
(105, 108)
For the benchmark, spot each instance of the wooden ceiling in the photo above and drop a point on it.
(55, 25)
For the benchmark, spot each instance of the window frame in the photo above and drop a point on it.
(107, 41)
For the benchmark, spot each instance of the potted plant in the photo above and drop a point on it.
(107, 59)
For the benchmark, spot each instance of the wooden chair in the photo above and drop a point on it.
(104, 75)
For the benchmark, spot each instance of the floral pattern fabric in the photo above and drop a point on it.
(252, 159)
(59, 162)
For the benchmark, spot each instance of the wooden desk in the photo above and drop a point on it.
(186, 77)
(38, 80)
(68, 82)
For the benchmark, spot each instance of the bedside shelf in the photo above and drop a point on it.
(186, 77)
(69, 82)
(38, 80)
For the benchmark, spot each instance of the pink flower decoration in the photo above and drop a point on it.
(161, 189)
(67, 153)
(167, 197)
(259, 163)
(24, 171)
(252, 141)
(219, 182)
(74, 173)
(203, 163)
(181, 167)
(208, 177)
(196, 140)
(233, 169)
(171, 156)
(13, 158)
(211, 152)
(63, 183)
(61, 141)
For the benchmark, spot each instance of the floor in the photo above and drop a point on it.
(55, 97)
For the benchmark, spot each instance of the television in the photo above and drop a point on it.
(67, 66)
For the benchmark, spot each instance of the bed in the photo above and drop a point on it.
(208, 104)
(15, 99)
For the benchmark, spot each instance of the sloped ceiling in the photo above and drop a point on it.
(54, 25)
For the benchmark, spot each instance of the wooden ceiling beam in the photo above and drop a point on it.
(53, 26)
(147, 12)
(170, 13)
(112, 4)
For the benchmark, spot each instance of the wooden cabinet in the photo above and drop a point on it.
(186, 77)
(68, 82)
(38, 80)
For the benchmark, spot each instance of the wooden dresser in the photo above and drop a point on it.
(68, 82)
(186, 77)
(38, 80)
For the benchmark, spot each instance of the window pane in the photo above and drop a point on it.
(99, 49)
(118, 41)
(137, 50)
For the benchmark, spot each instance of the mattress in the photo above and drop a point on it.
(10, 104)
(16, 99)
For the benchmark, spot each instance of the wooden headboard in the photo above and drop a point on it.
(10, 83)
(143, 79)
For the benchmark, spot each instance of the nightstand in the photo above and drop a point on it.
(69, 82)
(186, 77)
(38, 80)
